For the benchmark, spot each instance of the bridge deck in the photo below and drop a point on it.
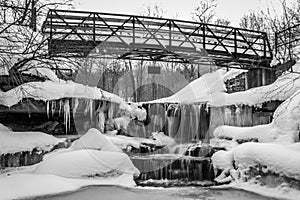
(79, 33)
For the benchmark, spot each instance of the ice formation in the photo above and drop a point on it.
(283, 129)
(50, 90)
(276, 151)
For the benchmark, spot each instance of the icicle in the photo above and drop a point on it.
(91, 109)
(238, 109)
(101, 116)
(76, 104)
(48, 107)
(207, 107)
(60, 106)
(86, 108)
(53, 107)
(111, 110)
(67, 115)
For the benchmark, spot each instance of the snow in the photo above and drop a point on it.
(263, 133)
(122, 122)
(133, 110)
(232, 73)
(123, 142)
(211, 88)
(280, 192)
(31, 185)
(87, 163)
(43, 72)
(69, 169)
(283, 129)
(13, 142)
(201, 88)
(280, 159)
(94, 139)
(50, 90)
(222, 160)
(283, 88)
(222, 143)
(160, 139)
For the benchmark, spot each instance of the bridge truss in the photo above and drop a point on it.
(118, 36)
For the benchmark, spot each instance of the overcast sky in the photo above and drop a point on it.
(229, 9)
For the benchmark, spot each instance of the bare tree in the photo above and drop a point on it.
(271, 21)
(22, 45)
(205, 11)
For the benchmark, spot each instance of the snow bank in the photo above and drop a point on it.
(201, 88)
(211, 88)
(12, 142)
(262, 133)
(222, 160)
(19, 186)
(283, 88)
(50, 90)
(283, 129)
(280, 159)
(43, 72)
(94, 139)
(232, 73)
(87, 163)
(276, 158)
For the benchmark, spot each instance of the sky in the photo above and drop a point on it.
(180, 9)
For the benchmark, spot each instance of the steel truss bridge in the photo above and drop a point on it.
(118, 36)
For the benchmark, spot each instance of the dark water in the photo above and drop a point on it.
(190, 193)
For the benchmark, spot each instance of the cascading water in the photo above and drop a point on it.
(188, 159)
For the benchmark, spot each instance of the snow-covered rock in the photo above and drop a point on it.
(262, 133)
(161, 139)
(222, 160)
(283, 129)
(87, 163)
(133, 110)
(12, 142)
(50, 90)
(94, 139)
(123, 142)
(280, 159)
(222, 143)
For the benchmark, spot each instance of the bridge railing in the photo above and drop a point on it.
(134, 37)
